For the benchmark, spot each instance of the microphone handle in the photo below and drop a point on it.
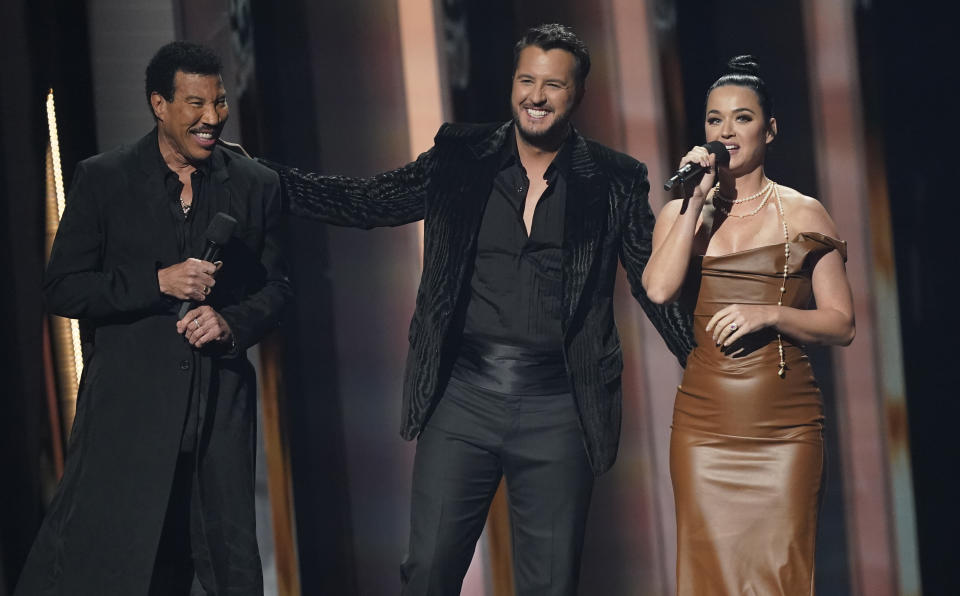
(687, 172)
(209, 254)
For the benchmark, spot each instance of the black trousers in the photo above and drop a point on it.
(474, 437)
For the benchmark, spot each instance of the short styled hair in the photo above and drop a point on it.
(555, 36)
(183, 56)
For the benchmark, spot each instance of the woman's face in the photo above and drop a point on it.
(735, 118)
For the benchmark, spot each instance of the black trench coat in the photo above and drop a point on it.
(101, 534)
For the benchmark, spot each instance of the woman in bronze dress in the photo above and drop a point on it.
(746, 451)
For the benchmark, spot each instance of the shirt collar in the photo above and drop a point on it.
(161, 166)
(509, 155)
(561, 163)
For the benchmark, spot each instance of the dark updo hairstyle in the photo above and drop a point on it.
(183, 56)
(745, 72)
(555, 36)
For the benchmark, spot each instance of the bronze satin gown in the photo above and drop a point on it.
(746, 451)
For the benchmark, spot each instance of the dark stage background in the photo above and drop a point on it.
(324, 88)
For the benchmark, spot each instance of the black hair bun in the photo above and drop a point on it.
(745, 64)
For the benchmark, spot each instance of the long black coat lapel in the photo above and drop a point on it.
(220, 192)
(584, 225)
(152, 190)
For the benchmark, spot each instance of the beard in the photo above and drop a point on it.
(549, 138)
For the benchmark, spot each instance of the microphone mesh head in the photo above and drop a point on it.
(220, 228)
(720, 150)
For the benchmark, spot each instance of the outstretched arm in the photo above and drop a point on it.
(390, 199)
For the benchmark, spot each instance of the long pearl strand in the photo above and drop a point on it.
(783, 286)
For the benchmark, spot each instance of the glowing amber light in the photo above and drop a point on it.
(65, 332)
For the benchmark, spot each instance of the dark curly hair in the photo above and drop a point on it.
(744, 71)
(183, 56)
(555, 36)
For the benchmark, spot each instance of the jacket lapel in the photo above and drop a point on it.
(218, 191)
(584, 223)
(152, 191)
(472, 191)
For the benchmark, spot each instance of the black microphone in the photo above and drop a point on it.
(689, 171)
(218, 233)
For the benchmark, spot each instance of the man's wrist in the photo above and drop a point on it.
(164, 289)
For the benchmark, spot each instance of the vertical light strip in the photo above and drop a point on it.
(642, 113)
(884, 556)
(421, 78)
(276, 442)
(421, 72)
(55, 154)
(66, 332)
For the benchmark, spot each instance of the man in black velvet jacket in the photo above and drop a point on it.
(514, 363)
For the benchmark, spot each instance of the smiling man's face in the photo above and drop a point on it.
(189, 125)
(544, 94)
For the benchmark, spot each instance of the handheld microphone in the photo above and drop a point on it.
(689, 171)
(218, 233)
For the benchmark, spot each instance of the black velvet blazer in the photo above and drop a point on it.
(607, 216)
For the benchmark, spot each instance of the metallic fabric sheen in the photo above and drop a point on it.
(510, 369)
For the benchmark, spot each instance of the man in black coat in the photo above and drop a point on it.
(159, 484)
(514, 363)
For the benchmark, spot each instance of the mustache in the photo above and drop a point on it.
(207, 129)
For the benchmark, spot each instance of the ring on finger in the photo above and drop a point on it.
(197, 322)
(733, 327)
(206, 290)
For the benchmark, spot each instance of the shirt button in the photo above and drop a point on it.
(184, 365)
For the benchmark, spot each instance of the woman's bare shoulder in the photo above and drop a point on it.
(805, 214)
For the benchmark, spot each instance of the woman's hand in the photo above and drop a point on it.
(734, 321)
(707, 161)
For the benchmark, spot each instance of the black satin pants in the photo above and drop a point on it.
(476, 436)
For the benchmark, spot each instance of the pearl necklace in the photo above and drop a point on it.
(765, 193)
(783, 286)
(754, 196)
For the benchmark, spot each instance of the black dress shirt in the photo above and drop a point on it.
(190, 228)
(191, 225)
(516, 286)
